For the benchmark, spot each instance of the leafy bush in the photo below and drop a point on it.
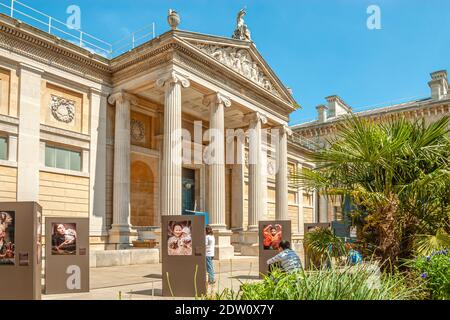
(321, 245)
(435, 272)
(363, 282)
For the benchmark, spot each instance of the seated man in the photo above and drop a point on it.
(286, 258)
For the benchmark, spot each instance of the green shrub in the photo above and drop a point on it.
(435, 272)
(363, 282)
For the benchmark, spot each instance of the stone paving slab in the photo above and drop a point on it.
(144, 282)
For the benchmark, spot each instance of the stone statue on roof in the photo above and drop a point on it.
(242, 32)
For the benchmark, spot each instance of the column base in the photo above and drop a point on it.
(249, 243)
(223, 250)
(236, 239)
(122, 236)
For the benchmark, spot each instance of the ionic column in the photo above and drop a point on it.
(237, 203)
(171, 171)
(323, 209)
(281, 184)
(216, 195)
(120, 229)
(256, 193)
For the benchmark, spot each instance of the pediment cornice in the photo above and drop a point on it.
(240, 56)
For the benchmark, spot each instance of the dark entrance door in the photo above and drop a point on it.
(188, 185)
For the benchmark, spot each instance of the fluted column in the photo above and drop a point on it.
(256, 193)
(281, 184)
(172, 164)
(216, 195)
(120, 229)
(323, 209)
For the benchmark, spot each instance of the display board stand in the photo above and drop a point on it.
(20, 250)
(67, 255)
(183, 256)
(268, 248)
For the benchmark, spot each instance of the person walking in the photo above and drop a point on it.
(286, 258)
(210, 245)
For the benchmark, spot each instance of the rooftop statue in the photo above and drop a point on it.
(242, 32)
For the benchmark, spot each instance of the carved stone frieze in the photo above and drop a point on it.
(137, 131)
(62, 109)
(240, 61)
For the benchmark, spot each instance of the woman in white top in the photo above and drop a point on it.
(210, 244)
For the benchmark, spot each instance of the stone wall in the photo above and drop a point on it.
(8, 92)
(64, 195)
(8, 184)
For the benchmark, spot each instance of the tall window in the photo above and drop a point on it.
(62, 158)
(3, 148)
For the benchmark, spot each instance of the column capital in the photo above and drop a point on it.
(173, 77)
(97, 91)
(256, 117)
(217, 98)
(121, 97)
(284, 129)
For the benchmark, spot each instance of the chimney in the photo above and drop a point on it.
(438, 84)
(337, 106)
(322, 113)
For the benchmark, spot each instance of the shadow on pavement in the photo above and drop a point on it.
(153, 276)
(149, 292)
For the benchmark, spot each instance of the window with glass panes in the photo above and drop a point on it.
(3, 148)
(60, 158)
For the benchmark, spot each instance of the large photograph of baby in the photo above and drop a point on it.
(179, 238)
(64, 238)
(7, 244)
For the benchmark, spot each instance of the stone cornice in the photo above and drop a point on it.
(418, 109)
(169, 48)
(30, 42)
(246, 90)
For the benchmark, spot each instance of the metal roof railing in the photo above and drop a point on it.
(20, 11)
(306, 143)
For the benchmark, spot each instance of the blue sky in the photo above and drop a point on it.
(316, 47)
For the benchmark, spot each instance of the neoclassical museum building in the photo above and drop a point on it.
(89, 136)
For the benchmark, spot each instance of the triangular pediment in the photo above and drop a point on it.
(243, 58)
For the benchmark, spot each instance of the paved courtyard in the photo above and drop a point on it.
(144, 282)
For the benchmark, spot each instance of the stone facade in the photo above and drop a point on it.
(93, 137)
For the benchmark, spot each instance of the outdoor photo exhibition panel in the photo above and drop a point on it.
(271, 233)
(20, 250)
(183, 256)
(67, 255)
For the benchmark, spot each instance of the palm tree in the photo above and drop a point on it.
(396, 174)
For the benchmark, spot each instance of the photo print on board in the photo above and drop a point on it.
(64, 238)
(272, 236)
(179, 238)
(7, 231)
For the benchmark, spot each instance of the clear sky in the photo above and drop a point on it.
(316, 47)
